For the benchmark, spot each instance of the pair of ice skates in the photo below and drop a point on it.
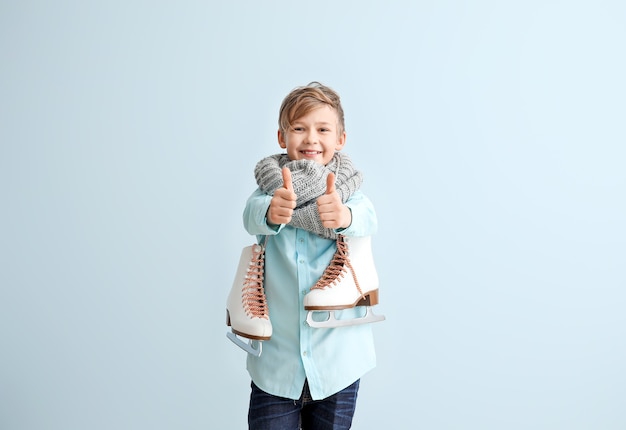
(350, 280)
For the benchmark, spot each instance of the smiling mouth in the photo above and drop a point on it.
(310, 152)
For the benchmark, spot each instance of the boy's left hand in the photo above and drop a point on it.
(333, 213)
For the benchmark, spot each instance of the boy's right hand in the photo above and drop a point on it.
(283, 202)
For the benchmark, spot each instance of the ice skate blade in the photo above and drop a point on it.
(332, 322)
(248, 347)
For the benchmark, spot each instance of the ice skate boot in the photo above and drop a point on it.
(350, 280)
(246, 308)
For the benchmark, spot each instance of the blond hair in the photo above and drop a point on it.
(303, 100)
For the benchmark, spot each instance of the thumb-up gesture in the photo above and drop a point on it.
(333, 213)
(283, 202)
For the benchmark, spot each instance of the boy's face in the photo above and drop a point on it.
(315, 136)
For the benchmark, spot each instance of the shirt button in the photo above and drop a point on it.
(301, 261)
(301, 240)
(304, 353)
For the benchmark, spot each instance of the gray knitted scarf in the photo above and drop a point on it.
(309, 183)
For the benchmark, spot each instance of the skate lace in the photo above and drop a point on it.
(253, 295)
(337, 268)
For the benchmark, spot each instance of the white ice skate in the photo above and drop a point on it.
(246, 308)
(350, 280)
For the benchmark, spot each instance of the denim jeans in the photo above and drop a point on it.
(269, 412)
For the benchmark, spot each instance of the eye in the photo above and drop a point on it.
(298, 129)
(324, 130)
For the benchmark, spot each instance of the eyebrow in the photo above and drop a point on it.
(317, 123)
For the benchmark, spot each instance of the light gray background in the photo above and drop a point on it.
(491, 135)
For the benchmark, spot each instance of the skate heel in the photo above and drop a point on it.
(370, 299)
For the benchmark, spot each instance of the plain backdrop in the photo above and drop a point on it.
(491, 136)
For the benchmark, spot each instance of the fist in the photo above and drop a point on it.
(283, 202)
(333, 213)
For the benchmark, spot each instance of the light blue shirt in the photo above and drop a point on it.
(329, 358)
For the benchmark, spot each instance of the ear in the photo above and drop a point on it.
(341, 141)
(281, 140)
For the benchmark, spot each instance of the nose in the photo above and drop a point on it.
(312, 136)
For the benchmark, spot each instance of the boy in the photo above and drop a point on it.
(307, 377)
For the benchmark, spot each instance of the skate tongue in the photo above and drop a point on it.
(253, 295)
(336, 268)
